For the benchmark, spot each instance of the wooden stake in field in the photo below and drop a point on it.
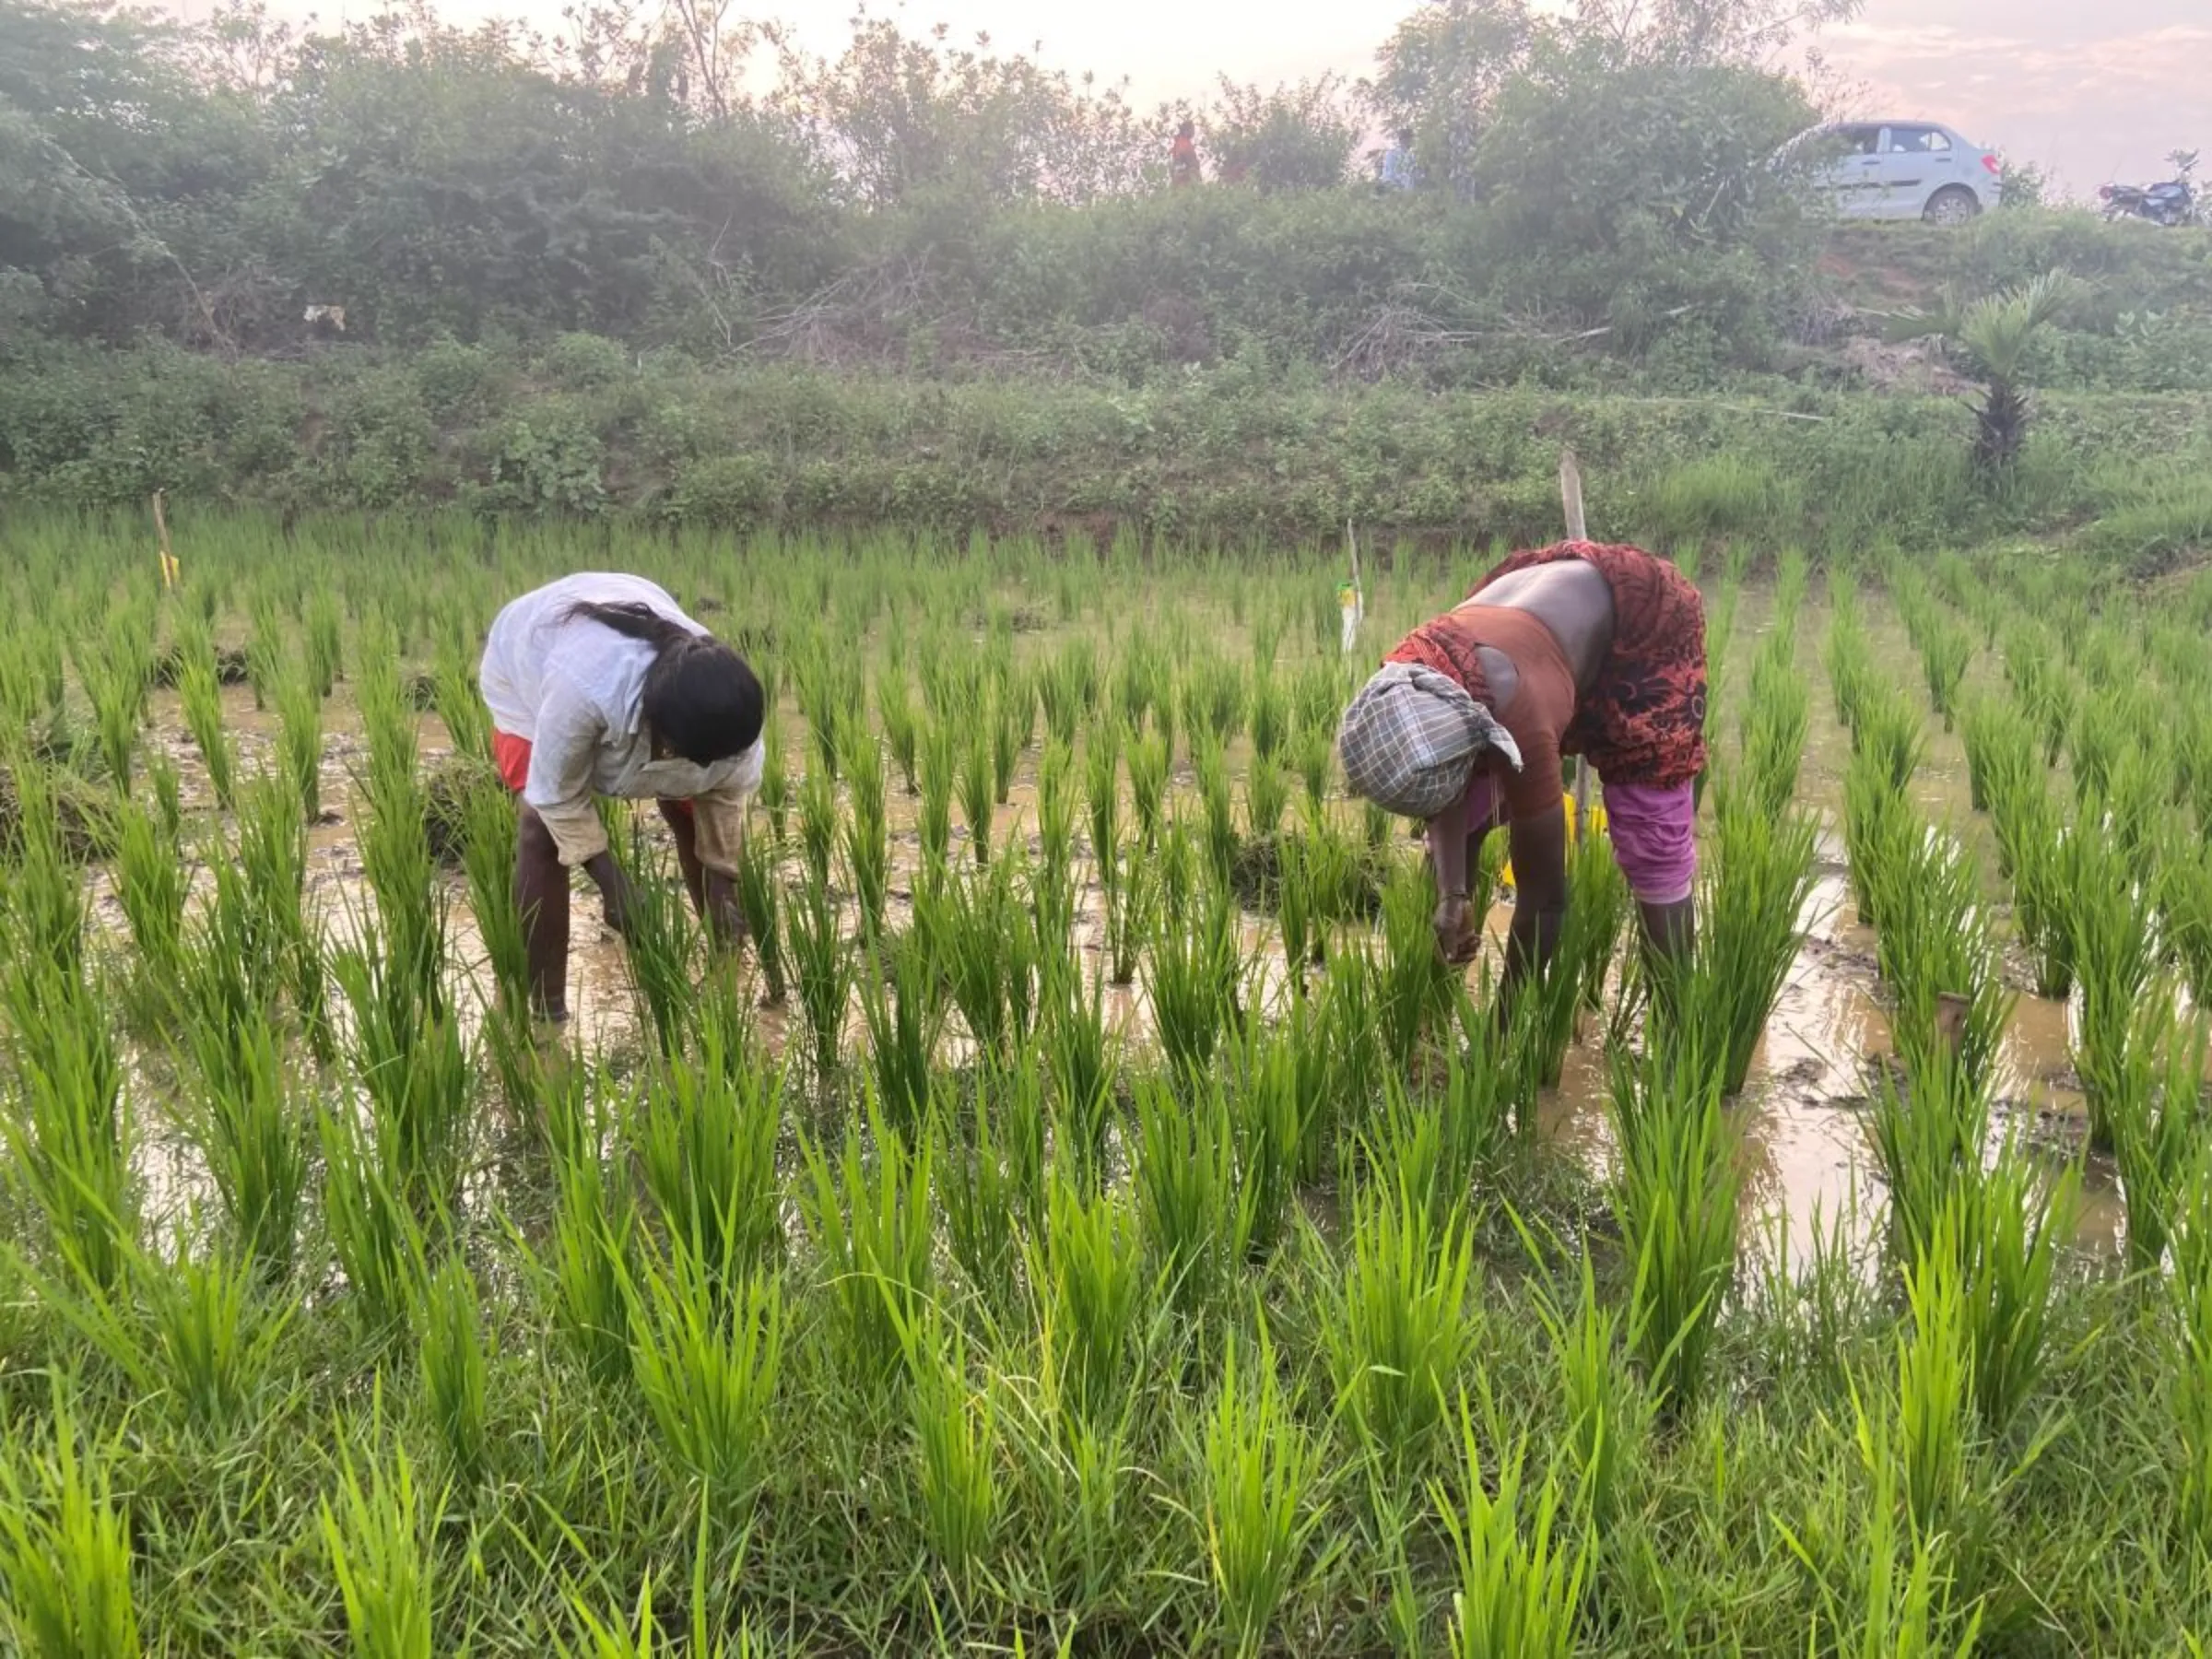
(1351, 602)
(170, 568)
(1570, 499)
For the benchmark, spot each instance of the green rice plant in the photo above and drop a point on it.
(2184, 901)
(1398, 1327)
(775, 778)
(1056, 815)
(1934, 1388)
(1085, 1065)
(1269, 709)
(415, 1070)
(1268, 1101)
(867, 831)
(1086, 1269)
(2116, 951)
(1147, 758)
(2043, 855)
(939, 768)
(378, 1535)
(1675, 1195)
(488, 854)
(1878, 829)
(1889, 733)
(1132, 903)
(2189, 1379)
(1312, 753)
(1598, 906)
(2002, 758)
(1213, 698)
(588, 1264)
(117, 673)
(1413, 983)
(150, 884)
(759, 896)
(1850, 652)
(1193, 973)
(201, 694)
(1928, 1131)
(1266, 799)
(1520, 1569)
(65, 1548)
(1102, 794)
(325, 661)
(705, 1135)
(902, 724)
(375, 1233)
(1756, 886)
(459, 703)
(1209, 765)
(1184, 1183)
(706, 1357)
(978, 936)
(1294, 918)
(1260, 1514)
(1946, 650)
(821, 961)
(1608, 1413)
(870, 1226)
(251, 1139)
(456, 1364)
(955, 1433)
(2139, 803)
(1935, 953)
(264, 649)
(2152, 1104)
(69, 1132)
(1775, 724)
(901, 996)
(817, 822)
(2099, 737)
(299, 738)
(1067, 686)
(1013, 724)
(978, 1192)
(2007, 1230)
(43, 892)
(977, 791)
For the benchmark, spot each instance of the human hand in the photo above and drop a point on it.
(1458, 934)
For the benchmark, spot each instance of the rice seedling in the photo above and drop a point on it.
(299, 738)
(1519, 1567)
(706, 1357)
(2116, 950)
(1146, 755)
(1397, 1329)
(759, 895)
(1013, 724)
(977, 791)
(2002, 758)
(1086, 1269)
(1210, 767)
(589, 1263)
(1132, 903)
(902, 999)
(1057, 817)
(1259, 1512)
(977, 934)
(902, 724)
(1946, 651)
(415, 1070)
(1775, 724)
(2008, 1229)
(1878, 829)
(1185, 1189)
(1928, 1131)
(940, 765)
(1597, 904)
(150, 885)
(1934, 1388)
(1413, 983)
(68, 1131)
(870, 1228)
(1675, 1196)
(1936, 946)
(775, 778)
(377, 1534)
(252, 1139)
(1756, 889)
(821, 965)
(1193, 970)
(326, 659)
(866, 833)
(66, 1548)
(955, 1433)
(1887, 734)
(2151, 1102)
(1313, 754)
(2188, 1387)
(705, 1135)
(375, 1235)
(201, 695)
(456, 1360)
(1608, 1413)
(1085, 1062)
(818, 823)
(1103, 795)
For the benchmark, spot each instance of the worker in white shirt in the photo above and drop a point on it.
(599, 684)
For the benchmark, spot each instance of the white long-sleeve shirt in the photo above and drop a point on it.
(573, 688)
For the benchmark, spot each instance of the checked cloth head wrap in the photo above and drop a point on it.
(1410, 739)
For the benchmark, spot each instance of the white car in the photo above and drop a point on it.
(1898, 169)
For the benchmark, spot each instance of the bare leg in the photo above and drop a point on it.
(541, 891)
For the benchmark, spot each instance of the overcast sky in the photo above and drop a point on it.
(2092, 89)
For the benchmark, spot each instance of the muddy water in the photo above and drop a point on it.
(1809, 1163)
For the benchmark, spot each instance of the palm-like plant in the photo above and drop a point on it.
(1994, 335)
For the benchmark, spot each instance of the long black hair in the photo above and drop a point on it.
(702, 700)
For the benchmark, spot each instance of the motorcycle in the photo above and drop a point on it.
(2172, 203)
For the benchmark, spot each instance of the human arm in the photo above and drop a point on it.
(718, 840)
(560, 790)
(1539, 852)
(1458, 929)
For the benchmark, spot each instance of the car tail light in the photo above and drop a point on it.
(1995, 167)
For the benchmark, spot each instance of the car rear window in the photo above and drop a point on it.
(1918, 140)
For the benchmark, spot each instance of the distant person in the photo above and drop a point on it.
(599, 684)
(1571, 650)
(1182, 155)
(1397, 162)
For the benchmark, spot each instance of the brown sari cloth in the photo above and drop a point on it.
(1644, 722)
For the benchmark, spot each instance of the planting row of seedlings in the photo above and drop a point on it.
(967, 1315)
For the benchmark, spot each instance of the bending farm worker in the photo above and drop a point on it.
(1573, 649)
(599, 684)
